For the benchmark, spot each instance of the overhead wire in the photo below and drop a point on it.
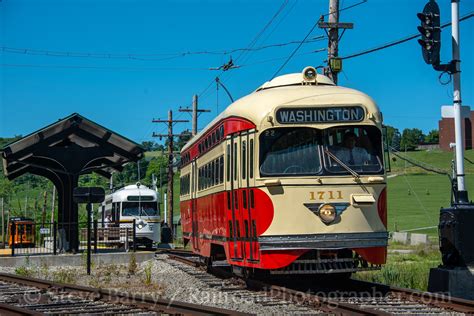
(205, 91)
(295, 50)
(347, 8)
(140, 57)
(402, 40)
(101, 67)
(283, 18)
(259, 34)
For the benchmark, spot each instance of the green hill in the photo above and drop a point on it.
(436, 158)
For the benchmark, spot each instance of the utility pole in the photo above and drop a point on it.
(195, 113)
(170, 122)
(332, 31)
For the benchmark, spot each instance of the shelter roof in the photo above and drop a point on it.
(73, 145)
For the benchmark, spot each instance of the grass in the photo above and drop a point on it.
(415, 196)
(437, 158)
(406, 270)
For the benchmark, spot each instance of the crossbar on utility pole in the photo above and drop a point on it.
(170, 122)
(195, 113)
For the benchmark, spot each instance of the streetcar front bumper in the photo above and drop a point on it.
(324, 241)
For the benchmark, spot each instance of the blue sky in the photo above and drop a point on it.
(125, 94)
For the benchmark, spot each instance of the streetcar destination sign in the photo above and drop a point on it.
(320, 115)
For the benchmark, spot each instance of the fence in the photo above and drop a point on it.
(32, 238)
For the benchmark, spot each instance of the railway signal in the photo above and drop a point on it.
(430, 33)
(456, 221)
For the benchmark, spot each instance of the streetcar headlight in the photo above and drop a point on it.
(141, 224)
(327, 213)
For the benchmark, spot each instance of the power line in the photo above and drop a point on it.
(347, 8)
(257, 37)
(140, 57)
(295, 50)
(100, 67)
(280, 21)
(400, 41)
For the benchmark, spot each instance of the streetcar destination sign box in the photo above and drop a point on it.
(320, 115)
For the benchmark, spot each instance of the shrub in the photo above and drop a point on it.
(132, 264)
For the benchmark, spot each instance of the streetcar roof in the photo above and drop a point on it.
(289, 90)
(132, 190)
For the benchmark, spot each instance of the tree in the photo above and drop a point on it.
(432, 137)
(391, 135)
(157, 165)
(149, 145)
(411, 138)
(180, 141)
(183, 138)
(395, 144)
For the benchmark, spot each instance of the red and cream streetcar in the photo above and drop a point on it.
(289, 179)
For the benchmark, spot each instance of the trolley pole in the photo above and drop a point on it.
(195, 113)
(170, 122)
(332, 31)
(462, 196)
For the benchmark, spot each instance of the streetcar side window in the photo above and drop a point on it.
(228, 162)
(235, 161)
(244, 159)
(251, 159)
(213, 171)
(221, 167)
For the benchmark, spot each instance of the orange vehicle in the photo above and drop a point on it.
(21, 231)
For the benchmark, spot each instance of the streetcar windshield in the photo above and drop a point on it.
(139, 209)
(358, 147)
(304, 151)
(290, 151)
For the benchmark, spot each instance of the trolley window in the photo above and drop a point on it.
(358, 147)
(290, 151)
(139, 209)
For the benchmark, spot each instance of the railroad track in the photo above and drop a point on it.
(29, 296)
(236, 289)
(351, 297)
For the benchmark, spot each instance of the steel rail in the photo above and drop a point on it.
(317, 302)
(10, 310)
(428, 298)
(114, 297)
(334, 306)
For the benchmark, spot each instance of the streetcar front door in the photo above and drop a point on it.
(247, 156)
(194, 210)
(233, 205)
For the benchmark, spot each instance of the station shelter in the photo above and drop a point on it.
(61, 152)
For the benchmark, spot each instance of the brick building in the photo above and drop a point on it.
(446, 132)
